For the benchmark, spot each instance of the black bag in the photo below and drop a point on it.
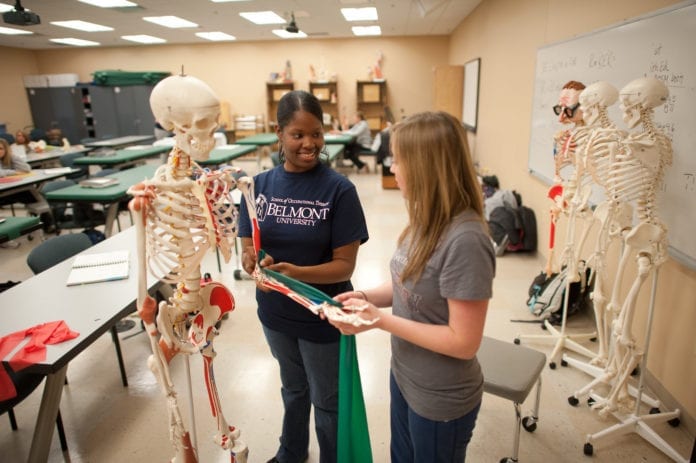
(518, 224)
(94, 235)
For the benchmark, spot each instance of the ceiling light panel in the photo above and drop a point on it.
(262, 17)
(4, 8)
(142, 38)
(109, 3)
(75, 42)
(216, 36)
(289, 35)
(367, 30)
(82, 26)
(173, 22)
(360, 14)
(12, 31)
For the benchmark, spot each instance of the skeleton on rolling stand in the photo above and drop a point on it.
(183, 212)
(635, 176)
(592, 167)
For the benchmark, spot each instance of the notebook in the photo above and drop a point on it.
(94, 268)
(99, 182)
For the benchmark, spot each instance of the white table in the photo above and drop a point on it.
(91, 310)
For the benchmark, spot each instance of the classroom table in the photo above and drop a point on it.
(124, 157)
(109, 197)
(91, 310)
(120, 142)
(338, 138)
(226, 153)
(31, 181)
(334, 151)
(14, 227)
(52, 153)
(263, 141)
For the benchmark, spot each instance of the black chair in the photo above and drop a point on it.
(25, 384)
(72, 216)
(37, 134)
(9, 137)
(68, 160)
(57, 249)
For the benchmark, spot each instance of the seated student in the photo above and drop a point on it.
(9, 163)
(381, 144)
(363, 140)
(20, 147)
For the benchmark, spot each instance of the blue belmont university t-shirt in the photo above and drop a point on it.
(303, 217)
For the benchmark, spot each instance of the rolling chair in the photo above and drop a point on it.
(25, 384)
(9, 137)
(57, 249)
(37, 134)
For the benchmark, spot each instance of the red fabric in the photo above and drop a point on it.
(33, 351)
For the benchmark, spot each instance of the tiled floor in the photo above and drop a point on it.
(106, 422)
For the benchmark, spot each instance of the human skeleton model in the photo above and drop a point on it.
(183, 211)
(592, 166)
(634, 177)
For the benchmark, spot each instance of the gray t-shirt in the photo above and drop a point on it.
(436, 386)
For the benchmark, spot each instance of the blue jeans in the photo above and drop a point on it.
(309, 376)
(418, 439)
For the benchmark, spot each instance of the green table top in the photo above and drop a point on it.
(338, 138)
(14, 227)
(123, 156)
(227, 153)
(127, 178)
(54, 152)
(334, 151)
(261, 139)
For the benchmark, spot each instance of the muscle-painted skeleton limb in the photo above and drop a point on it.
(183, 212)
(305, 295)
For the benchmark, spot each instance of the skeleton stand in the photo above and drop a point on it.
(634, 422)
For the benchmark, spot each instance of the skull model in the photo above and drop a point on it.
(639, 95)
(188, 107)
(595, 99)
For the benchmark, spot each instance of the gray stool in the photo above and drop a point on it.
(510, 372)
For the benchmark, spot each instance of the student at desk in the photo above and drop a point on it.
(20, 147)
(9, 163)
(363, 141)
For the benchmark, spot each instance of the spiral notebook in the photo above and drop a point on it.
(94, 268)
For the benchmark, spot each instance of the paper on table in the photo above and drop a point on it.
(94, 268)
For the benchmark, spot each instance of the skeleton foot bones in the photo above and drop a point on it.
(182, 213)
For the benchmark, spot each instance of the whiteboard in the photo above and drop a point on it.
(661, 45)
(472, 70)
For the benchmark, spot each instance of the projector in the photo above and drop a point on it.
(21, 18)
(292, 28)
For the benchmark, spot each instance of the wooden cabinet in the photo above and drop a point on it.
(274, 92)
(327, 94)
(449, 89)
(372, 101)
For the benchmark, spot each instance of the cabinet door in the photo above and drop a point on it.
(68, 113)
(448, 89)
(40, 106)
(144, 119)
(104, 112)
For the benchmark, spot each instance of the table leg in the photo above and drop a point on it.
(111, 213)
(48, 412)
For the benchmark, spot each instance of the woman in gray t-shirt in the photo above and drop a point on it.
(442, 278)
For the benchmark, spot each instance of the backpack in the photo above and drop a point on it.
(514, 227)
(547, 294)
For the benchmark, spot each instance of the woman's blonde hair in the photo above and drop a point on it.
(432, 153)
(7, 158)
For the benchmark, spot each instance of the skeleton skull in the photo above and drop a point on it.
(639, 94)
(188, 107)
(595, 99)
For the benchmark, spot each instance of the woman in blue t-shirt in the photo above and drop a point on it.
(441, 280)
(311, 225)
